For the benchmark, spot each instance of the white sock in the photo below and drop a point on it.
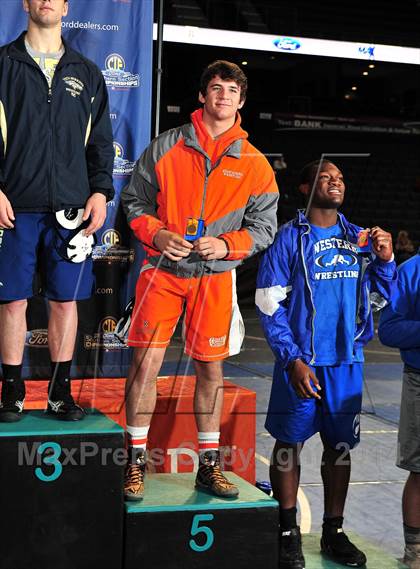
(137, 437)
(208, 440)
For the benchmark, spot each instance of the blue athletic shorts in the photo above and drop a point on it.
(336, 416)
(32, 246)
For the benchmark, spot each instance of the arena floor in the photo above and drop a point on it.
(374, 503)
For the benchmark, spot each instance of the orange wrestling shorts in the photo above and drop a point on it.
(213, 327)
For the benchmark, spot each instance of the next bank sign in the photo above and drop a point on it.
(289, 44)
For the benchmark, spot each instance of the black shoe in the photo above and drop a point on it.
(412, 555)
(290, 549)
(12, 400)
(61, 403)
(337, 546)
(210, 476)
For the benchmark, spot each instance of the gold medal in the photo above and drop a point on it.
(192, 227)
(363, 238)
(195, 229)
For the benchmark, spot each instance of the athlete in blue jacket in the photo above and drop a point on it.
(400, 328)
(316, 287)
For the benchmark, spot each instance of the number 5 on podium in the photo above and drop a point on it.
(196, 529)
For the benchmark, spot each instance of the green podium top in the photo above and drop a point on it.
(175, 492)
(38, 423)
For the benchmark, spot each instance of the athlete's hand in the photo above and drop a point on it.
(301, 377)
(6, 212)
(96, 208)
(210, 248)
(172, 245)
(381, 243)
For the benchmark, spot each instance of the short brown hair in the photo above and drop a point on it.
(228, 72)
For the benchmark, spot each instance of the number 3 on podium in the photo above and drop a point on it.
(196, 529)
(51, 459)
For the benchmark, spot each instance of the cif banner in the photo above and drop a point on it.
(117, 36)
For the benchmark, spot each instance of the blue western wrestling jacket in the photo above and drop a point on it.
(284, 295)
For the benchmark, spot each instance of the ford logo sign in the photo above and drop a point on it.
(287, 44)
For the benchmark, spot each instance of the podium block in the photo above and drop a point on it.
(61, 493)
(173, 443)
(179, 527)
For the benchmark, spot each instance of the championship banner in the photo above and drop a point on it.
(117, 36)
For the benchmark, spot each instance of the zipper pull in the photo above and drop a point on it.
(49, 95)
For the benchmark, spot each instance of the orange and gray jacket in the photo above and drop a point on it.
(55, 143)
(175, 179)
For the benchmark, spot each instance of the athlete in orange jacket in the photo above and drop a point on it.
(201, 199)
